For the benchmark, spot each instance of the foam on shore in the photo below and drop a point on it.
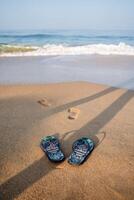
(53, 49)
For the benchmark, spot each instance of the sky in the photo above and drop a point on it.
(66, 14)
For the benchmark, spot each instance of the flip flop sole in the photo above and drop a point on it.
(51, 146)
(81, 150)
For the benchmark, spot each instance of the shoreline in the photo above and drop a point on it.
(81, 55)
(26, 173)
(116, 71)
(62, 49)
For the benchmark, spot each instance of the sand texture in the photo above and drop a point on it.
(106, 116)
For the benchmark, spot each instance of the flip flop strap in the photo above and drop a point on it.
(52, 148)
(80, 152)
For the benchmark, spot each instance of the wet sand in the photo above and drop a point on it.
(106, 116)
(109, 70)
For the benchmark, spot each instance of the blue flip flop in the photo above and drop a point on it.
(81, 149)
(51, 146)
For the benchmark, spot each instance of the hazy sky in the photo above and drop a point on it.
(66, 14)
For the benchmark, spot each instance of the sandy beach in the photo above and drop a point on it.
(106, 116)
(67, 76)
(112, 70)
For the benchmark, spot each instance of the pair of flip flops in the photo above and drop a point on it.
(80, 150)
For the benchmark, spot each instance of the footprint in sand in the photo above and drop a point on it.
(73, 113)
(44, 102)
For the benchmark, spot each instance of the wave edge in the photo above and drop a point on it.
(53, 49)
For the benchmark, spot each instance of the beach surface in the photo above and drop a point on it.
(106, 116)
(110, 70)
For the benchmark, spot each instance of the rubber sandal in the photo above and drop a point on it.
(81, 149)
(51, 146)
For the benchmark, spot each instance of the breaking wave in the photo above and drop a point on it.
(53, 49)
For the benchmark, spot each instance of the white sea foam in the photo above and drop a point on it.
(101, 49)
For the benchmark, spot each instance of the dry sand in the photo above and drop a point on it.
(106, 115)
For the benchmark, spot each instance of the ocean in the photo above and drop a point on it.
(104, 57)
(66, 42)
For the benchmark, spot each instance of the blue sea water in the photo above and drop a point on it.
(111, 70)
(66, 37)
(66, 42)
